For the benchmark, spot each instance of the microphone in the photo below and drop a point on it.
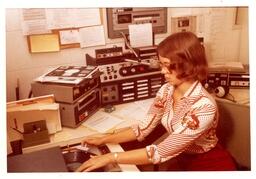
(132, 49)
(152, 63)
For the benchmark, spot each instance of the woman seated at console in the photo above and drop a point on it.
(186, 110)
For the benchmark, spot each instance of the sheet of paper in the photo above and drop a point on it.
(69, 36)
(134, 113)
(59, 18)
(145, 104)
(86, 17)
(36, 106)
(92, 36)
(34, 21)
(136, 110)
(179, 12)
(141, 35)
(102, 122)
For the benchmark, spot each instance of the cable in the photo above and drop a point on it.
(17, 130)
(233, 98)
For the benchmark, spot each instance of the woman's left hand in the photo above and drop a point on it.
(96, 162)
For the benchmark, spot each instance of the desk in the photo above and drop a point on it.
(70, 136)
(241, 96)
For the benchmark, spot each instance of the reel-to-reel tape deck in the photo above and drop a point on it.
(69, 74)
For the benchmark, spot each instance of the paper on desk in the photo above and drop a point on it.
(137, 110)
(102, 122)
(145, 104)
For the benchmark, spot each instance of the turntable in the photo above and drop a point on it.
(76, 155)
(69, 74)
(75, 158)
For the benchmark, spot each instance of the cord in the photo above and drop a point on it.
(17, 130)
(233, 98)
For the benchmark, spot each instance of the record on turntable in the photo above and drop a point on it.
(69, 74)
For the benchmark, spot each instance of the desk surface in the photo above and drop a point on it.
(69, 136)
(241, 97)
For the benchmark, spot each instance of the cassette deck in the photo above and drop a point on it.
(74, 114)
(77, 100)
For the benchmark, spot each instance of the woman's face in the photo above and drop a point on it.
(170, 75)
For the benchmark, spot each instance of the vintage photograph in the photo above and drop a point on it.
(128, 89)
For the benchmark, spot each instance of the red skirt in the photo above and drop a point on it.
(217, 159)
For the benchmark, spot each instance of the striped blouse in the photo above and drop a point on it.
(191, 123)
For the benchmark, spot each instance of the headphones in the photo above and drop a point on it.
(221, 91)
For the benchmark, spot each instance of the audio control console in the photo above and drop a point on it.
(125, 70)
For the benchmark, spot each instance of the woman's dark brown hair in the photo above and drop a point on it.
(186, 55)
